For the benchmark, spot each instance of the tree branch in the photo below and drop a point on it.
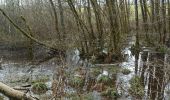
(25, 33)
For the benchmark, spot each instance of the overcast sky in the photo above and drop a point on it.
(3, 1)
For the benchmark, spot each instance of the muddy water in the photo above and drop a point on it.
(16, 73)
(19, 52)
(17, 69)
(153, 70)
(123, 80)
(156, 77)
(19, 74)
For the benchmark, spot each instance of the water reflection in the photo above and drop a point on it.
(151, 68)
(153, 75)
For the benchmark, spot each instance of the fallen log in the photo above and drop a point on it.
(14, 94)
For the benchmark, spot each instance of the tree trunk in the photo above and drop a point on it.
(137, 37)
(80, 22)
(99, 22)
(164, 21)
(168, 17)
(14, 94)
(55, 18)
(62, 19)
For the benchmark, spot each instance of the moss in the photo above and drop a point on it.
(114, 69)
(136, 89)
(104, 79)
(39, 88)
(161, 49)
(96, 72)
(77, 82)
(1, 97)
(126, 71)
(110, 93)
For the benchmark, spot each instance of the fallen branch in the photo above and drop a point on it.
(25, 33)
(21, 88)
(14, 94)
(106, 65)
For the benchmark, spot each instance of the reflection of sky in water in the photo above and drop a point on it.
(130, 63)
(122, 79)
(167, 92)
(16, 72)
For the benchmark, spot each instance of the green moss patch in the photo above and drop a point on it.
(39, 88)
(126, 71)
(106, 80)
(95, 72)
(110, 93)
(77, 82)
(136, 89)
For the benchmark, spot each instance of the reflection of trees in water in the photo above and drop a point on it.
(154, 73)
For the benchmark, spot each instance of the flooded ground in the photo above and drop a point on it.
(16, 73)
(17, 69)
(21, 74)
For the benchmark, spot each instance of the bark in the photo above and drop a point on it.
(92, 35)
(62, 18)
(168, 17)
(113, 24)
(90, 20)
(55, 18)
(31, 43)
(80, 22)
(164, 21)
(14, 94)
(152, 15)
(157, 14)
(144, 17)
(128, 15)
(137, 37)
(99, 22)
